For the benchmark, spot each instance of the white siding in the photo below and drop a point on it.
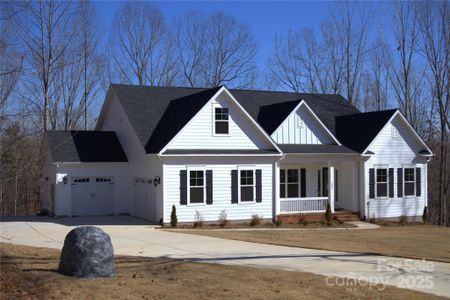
(397, 152)
(140, 164)
(198, 133)
(221, 168)
(63, 191)
(312, 131)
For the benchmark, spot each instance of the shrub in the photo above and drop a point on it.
(425, 215)
(302, 221)
(256, 220)
(328, 215)
(278, 222)
(42, 212)
(198, 219)
(222, 220)
(173, 217)
(403, 220)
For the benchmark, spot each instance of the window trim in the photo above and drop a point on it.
(286, 183)
(214, 106)
(246, 168)
(189, 169)
(404, 181)
(376, 168)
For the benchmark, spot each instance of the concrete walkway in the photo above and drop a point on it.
(134, 237)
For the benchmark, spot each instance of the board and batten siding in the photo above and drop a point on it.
(395, 152)
(311, 131)
(198, 133)
(221, 170)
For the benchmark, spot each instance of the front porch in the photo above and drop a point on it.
(305, 184)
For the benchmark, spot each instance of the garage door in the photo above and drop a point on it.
(93, 196)
(144, 200)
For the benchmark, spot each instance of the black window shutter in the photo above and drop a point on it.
(183, 187)
(399, 183)
(302, 182)
(418, 182)
(391, 182)
(234, 186)
(209, 187)
(371, 183)
(258, 186)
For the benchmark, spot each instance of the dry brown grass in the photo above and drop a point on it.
(29, 273)
(414, 241)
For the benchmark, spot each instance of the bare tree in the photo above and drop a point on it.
(376, 77)
(435, 47)
(406, 76)
(45, 30)
(215, 50)
(141, 47)
(352, 21)
(285, 64)
(11, 60)
(333, 49)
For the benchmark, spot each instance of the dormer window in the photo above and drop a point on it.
(221, 124)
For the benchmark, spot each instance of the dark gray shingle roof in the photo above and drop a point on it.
(85, 146)
(158, 113)
(357, 131)
(322, 149)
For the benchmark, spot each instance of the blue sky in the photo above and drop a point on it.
(265, 18)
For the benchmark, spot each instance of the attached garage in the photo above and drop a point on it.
(88, 169)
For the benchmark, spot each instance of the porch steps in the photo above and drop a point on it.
(346, 216)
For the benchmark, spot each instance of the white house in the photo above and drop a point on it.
(243, 151)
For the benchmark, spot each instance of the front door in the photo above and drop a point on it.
(323, 187)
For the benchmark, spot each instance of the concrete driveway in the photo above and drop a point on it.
(134, 237)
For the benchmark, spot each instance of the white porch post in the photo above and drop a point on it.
(277, 190)
(331, 195)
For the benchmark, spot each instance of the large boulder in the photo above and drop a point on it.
(87, 252)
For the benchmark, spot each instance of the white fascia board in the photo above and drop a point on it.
(267, 136)
(222, 89)
(405, 121)
(303, 102)
(221, 155)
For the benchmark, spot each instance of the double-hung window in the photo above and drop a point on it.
(196, 186)
(292, 183)
(410, 182)
(221, 122)
(382, 182)
(247, 185)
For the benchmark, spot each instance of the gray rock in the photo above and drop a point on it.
(87, 252)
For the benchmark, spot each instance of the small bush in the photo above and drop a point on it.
(328, 215)
(173, 217)
(256, 220)
(403, 220)
(42, 212)
(303, 222)
(222, 219)
(198, 219)
(425, 215)
(278, 223)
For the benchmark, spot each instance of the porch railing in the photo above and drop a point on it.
(303, 205)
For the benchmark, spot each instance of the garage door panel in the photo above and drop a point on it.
(93, 196)
(144, 202)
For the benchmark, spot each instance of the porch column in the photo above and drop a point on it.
(331, 196)
(276, 189)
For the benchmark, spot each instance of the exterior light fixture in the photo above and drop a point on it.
(156, 181)
(65, 179)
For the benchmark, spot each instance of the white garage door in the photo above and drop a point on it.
(144, 200)
(92, 196)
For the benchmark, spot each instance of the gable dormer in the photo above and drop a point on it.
(302, 126)
(221, 124)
